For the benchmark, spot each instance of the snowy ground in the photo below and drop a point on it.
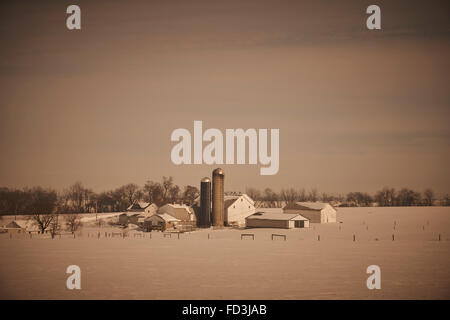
(413, 266)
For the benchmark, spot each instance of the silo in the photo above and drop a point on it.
(205, 203)
(217, 216)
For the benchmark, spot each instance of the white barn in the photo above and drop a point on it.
(179, 211)
(237, 208)
(315, 212)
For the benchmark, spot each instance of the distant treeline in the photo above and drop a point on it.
(386, 197)
(78, 199)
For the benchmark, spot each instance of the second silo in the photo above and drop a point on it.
(205, 203)
(217, 216)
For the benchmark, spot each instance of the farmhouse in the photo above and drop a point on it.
(160, 221)
(315, 212)
(276, 220)
(143, 208)
(237, 208)
(137, 212)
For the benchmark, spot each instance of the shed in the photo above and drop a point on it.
(276, 220)
(160, 221)
(315, 212)
(14, 227)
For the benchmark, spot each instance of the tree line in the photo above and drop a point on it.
(386, 197)
(79, 199)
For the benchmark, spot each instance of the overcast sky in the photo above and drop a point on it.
(357, 109)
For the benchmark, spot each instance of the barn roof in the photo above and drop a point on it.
(166, 217)
(276, 216)
(311, 205)
(231, 198)
(14, 225)
(139, 206)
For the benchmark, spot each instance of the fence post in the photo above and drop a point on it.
(439, 237)
(354, 238)
(318, 237)
(393, 237)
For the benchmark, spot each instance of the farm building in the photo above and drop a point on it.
(160, 221)
(137, 212)
(143, 208)
(128, 217)
(13, 227)
(180, 211)
(276, 220)
(237, 208)
(315, 212)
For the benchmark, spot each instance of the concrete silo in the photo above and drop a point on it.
(218, 209)
(205, 203)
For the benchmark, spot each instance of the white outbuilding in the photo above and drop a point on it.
(315, 212)
(180, 211)
(276, 220)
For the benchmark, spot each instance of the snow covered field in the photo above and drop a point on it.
(413, 266)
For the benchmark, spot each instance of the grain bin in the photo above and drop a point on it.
(205, 203)
(217, 216)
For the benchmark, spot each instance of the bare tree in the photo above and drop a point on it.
(302, 195)
(55, 227)
(359, 199)
(42, 204)
(312, 196)
(174, 194)
(446, 201)
(190, 193)
(153, 192)
(289, 196)
(271, 198)
(131, 192)
(73, 222)
(43, 221)
(428, 196)
(385, 197)
(255, 195)
(407, 197)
